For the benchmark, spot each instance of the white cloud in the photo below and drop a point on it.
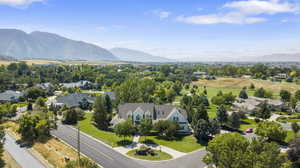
(257, 7)
(162, 14)
(229, 18)
(19, 3)
(243, 12)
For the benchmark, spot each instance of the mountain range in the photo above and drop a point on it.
(138, 56)
(42, 45)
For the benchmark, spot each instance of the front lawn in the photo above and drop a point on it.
(181, 143)
(159, 155)
(107, 137)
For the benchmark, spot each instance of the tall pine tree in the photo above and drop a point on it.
(100, 116)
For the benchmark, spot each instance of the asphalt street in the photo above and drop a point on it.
(21, 155)
(100, 153)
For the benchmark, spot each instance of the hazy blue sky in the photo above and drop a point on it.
(186, 29)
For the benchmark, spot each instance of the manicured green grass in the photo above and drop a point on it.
(183, 143)
(159, 155)
(107, 137)
(293, 120)
(290, 136)
(247, 123)
(212, 111)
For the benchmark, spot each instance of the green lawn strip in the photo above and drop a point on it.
(247, 123)
(293, 120)
(290, 136)
(107, 137)
(183, 143)
(159, 155)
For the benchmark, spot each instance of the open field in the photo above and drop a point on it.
(107, 137)
(183, 144)
(53, 62)
(239, 83)
(159, 155)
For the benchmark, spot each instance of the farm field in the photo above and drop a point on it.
(239, 83)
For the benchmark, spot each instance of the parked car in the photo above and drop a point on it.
(249, 130)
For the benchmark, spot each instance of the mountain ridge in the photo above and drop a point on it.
(125, 54)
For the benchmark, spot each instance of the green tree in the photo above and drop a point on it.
(129, 92)
(2, 140)
(243, 94)
(295, 127)
(294, 152)
(145, 126)
(263, 111)
(202, 130)
(200, 113)
(27, 124)
(285, 95)
(271, 130)
(166, 128)
(124, 129)
(222, 115)
(297, 95)
(234, 120)
(235, 151)
(70, 116)
(40, 102)
(34, 93)
(100, 116)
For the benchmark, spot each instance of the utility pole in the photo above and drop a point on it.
(78, 145)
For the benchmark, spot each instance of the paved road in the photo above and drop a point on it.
(100, 153)
(21, 155)
(192, 160)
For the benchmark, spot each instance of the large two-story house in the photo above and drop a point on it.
(138, 111)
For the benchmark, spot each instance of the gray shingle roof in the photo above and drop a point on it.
(10, 95)
(161, 111)
(75, 84)
(73, 100)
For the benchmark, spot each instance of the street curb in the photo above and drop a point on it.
(133, 149)
(30, 151)
(75, 149)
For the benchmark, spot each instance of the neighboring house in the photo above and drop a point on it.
(252, 103)
(10, 96)
(45, 86)
(297, 108)
(199, 74)
(80, 84)
(48, 87)
(281, 76)
(73, 100)
(138, 111)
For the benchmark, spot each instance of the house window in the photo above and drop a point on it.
(138, 118)
(175, 118)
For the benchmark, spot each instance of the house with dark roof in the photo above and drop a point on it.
(138, 111)
(74, 100)
(10, 96)
(80, 84)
